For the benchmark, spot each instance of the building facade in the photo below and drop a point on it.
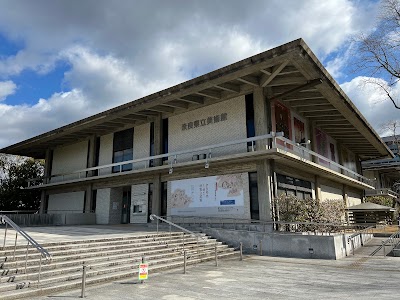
(220, 145)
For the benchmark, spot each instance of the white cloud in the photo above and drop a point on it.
(7, 88)
(121, 50)
(372, 102)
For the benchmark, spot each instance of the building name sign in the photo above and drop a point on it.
(206, 121)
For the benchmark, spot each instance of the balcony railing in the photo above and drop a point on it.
(382, 192)
(208, 154)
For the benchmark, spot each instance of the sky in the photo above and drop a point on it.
(61, 61)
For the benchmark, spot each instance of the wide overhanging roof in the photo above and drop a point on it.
(292, 73)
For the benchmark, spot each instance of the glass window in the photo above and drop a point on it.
(123, 149)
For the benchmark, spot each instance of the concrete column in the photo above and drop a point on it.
(317, 184)
(158, 138)
(91, 162)
(260, 116)
(156, 201)
(48, 163)
(47, 174)
(264, 189)
(358, 165)
(341, 160)
(311, 129)
(42, 202)
(346, 201)
(88, 198)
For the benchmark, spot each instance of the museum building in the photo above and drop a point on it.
(221, 145)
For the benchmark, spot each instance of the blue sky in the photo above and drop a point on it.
(61, 61)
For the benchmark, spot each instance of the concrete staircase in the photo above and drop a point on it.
(107, 259)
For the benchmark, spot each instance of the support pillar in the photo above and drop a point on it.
(88, 198)
(47, 174)
(260, 116)
(264, 189)
(42, 202)
(91, 162)
(317, 184)
(346, 201)
(311, 129)
(158, 138)
(156, 201)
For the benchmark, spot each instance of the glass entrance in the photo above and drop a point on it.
(126, 206)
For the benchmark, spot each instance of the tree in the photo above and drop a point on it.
(14, 173)
(379, 52)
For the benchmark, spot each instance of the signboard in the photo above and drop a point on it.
(214, 195)
(143, 271)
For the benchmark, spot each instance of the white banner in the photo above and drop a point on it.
(209, 195)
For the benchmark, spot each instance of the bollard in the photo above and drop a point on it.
(216, 255)
(143, 260)
(184, 262)
(83, 280)
(241, 250)
(261, 253)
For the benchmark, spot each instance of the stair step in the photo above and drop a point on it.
(31, 292)
(108, 258)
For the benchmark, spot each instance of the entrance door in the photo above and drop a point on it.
(126, 206)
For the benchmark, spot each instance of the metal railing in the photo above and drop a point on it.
(172, 158)
(42, 251)
(327, 161)
(268, 141)
(251, 225)
(391, 242)
(197, 235)
(352, 237)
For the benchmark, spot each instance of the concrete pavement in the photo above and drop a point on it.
(264, 277)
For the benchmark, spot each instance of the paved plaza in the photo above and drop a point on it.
(258, 277)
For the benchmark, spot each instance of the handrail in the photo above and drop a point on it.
(6, 220)
(173, 158)
(391, 240)
(153, 216)
(311, 226)
(354, 235)
(224, 220)
(331, 162)
(167, 155)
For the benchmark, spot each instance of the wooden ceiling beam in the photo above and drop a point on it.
(252, 80)
(266, 79)
(229, 87)
(177, 104)
(192, 99)
(210, 94)
(161, 109)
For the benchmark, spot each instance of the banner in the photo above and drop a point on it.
(214, 195)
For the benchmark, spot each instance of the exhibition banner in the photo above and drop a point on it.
(214, 195)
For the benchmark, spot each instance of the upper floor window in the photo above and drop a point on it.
(123, 149)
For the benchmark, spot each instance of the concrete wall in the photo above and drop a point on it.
(54, 219)
(115, 210)
(233, 128)
(354, 198)
(288, 245)
(106, 152)
(331, 193)
(66, 202)
(103, 206)
(140, 196)
(69, 158)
